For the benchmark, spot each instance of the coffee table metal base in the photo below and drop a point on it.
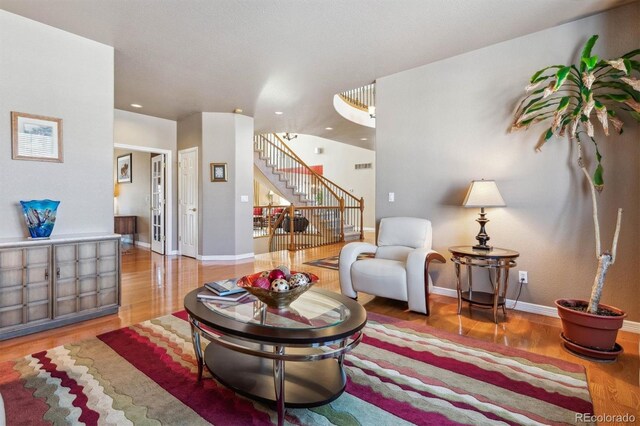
(306, 384)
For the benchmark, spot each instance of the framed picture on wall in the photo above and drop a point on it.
(125, 168)
(36, 137)
(218, 172)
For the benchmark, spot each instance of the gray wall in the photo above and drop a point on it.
(46, 71)
(146, 131)
(134, 198)
(225, 223)
(442, 125)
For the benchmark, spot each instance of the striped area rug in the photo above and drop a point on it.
(333, 261)
(401, 373)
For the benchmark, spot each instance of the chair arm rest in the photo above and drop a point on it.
(348, 255)
(418, 277)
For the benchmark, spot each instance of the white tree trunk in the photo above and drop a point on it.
(604, 261)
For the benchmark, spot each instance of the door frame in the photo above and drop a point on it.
(168, 188)
(182, 151)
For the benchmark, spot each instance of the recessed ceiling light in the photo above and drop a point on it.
(363, 139)
(136, 105)
(328, 128)
(279, 112)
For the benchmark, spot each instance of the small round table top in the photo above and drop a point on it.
(494, 253)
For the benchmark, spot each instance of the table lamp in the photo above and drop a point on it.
(483, 193)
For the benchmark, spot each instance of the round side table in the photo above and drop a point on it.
(498, 259)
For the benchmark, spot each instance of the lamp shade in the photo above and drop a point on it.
(483, 193)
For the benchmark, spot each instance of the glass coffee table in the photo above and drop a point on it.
(291, 357)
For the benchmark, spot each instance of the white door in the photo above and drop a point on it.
(188, 201)
(157, 204)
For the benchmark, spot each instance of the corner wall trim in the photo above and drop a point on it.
(548, 311)
(227, 257)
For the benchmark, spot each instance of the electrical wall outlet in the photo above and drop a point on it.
(523, 277)
(392, 197)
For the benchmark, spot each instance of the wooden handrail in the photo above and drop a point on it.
(353, 103)
(322, 178)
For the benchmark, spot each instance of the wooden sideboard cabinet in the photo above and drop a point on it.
(126, 225)
(58, 281)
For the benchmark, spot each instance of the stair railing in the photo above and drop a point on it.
(299, 227)
(361, 98)
(316, 189)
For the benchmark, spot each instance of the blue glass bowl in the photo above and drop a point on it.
(40, 216)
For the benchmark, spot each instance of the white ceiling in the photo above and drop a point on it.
(178, 57)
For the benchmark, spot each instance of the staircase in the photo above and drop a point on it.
(333, 213)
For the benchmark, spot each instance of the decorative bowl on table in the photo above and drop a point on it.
(277, 288)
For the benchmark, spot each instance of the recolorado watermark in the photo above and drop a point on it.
(605, 418)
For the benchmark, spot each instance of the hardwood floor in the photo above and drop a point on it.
(153, 285)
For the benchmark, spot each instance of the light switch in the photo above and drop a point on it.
(392, 197)
(244, 198)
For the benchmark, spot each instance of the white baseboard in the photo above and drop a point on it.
(138, 243)
(227, 257)
(548, 311)
(174, 252)
(369, 229)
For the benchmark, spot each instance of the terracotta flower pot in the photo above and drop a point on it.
(589, 330)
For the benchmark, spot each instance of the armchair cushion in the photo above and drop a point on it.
(404, 231)
(382, 277)
(399, 253)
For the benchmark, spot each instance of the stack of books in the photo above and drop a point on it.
(222, 291)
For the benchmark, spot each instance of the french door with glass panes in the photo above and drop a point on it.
(157, 204)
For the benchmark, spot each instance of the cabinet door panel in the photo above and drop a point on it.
(65, 307)
(108, 281)
(87, 267)
(65, 253)
(87, 251)
(37, 312)
(38, 274)
(88, 302)
(66, 288)
(11, 317)
(88, 285)
(109, 264)
(66, 270)
(11, 297)
(10, 278)
(108, 298)
(37, 255)
(108, 248)
(38, 293)
(11, 258)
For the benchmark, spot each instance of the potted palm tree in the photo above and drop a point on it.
(568, 97)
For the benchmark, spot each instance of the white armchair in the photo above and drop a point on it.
(400, 268)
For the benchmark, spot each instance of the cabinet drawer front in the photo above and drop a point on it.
(65, 307)
(11, 297)
(37, 255)
(108, 264)
(87, 251)
(88, 285)
(65, 288)
(108, 298)
(11, 258)
(37, 274)
(87, 267)
(65, 252)
(37, 312)
(11, 317)
(10, 278)
(88, 302)
(38, 293)
(108, 248)
(108, 281)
